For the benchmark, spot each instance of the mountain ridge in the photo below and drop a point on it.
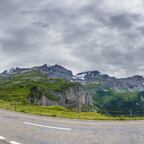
(57, 65)
(134, 83)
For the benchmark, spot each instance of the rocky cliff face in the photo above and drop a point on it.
(76, 96)
(73, 97)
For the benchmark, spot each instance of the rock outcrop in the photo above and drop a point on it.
(73, 97)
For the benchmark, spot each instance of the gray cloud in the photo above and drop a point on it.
(6, 8)
(123, 21)
(120, 21)
(18, 42)
(80, 35)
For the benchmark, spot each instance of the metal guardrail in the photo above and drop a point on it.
(127, 113)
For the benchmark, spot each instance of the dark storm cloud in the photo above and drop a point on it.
(123, 21)
(81, 35)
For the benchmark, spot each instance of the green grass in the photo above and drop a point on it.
(59, 111)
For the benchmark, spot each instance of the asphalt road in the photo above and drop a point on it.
(18, 128)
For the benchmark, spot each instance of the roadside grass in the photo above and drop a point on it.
(59, 111)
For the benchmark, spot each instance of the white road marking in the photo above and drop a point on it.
(2, 138)
(59, 128)
(13, 142)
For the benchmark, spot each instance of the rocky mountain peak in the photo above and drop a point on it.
(90, 76)
(58, 71)
(138, 77)
(55, 71)
(58, 68)
(42, 68)
(14, 71)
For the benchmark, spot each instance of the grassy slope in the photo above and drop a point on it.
(58, 111)
(117, 103)
(17, 88)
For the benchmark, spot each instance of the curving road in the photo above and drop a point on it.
(18, 128)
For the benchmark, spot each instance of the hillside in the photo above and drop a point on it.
(34, 86)
(88, 91)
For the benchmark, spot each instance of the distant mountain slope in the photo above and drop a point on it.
(135, 83)
(55, 71)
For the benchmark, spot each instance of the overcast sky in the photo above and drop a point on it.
(104, 35)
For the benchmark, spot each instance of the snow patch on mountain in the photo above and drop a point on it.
(80, 76)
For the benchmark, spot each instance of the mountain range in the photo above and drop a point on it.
(85, 91)
(135, 83)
